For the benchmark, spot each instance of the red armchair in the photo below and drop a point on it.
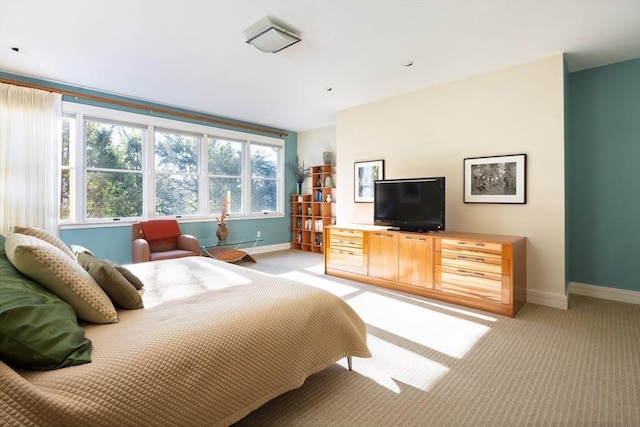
(158, 239)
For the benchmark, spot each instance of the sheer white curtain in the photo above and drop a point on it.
(29, 157)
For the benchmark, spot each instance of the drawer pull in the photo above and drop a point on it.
(468, 258)
(471, 273)
(382, 235)
(476, 244)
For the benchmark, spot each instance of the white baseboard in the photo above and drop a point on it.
(548, 300)
(270, 248)
(602, 292)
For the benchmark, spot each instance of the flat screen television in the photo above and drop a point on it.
(411, 204)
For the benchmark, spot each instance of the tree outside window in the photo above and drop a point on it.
(113, 170)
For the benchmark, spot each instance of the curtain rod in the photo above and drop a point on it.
(142, 107)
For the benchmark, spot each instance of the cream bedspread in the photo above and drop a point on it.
(214, 342)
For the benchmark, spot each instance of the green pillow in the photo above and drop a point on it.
(132, 278)
(112, 282)
(38, 330)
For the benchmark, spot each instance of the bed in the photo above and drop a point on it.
(213, 342)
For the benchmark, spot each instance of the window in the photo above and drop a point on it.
(113, 159)
(135, 166)
(226, 170)
(264, 178)
(176, 160)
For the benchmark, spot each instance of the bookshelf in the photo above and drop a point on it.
(310, 213)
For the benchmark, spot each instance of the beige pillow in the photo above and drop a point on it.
(46, 236)
(49, 266)
(117, 287)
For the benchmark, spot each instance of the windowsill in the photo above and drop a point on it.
(187, 219)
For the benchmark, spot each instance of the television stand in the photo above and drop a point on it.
(483, 271)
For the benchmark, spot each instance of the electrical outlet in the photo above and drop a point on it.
(258, 234)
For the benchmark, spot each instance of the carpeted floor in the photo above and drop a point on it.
(436, 364)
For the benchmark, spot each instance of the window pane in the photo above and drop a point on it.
(225, 157)
(264, 195)
(264, 161)
(65, 200)
(218, 188)
(264, 171)
(176, 153)
(113, 146)
(67, 123)
(114, 194)
(176, 195)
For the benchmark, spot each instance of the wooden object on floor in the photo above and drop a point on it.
(231, 250)
(484, 271)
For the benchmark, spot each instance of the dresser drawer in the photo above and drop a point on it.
(345, 233)
(470, 261)
(487, 286)
(346, 245)
(471, 247)
(352, 261)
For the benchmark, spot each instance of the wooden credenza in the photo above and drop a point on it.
(484, 271)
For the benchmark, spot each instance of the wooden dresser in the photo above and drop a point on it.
(484, 271)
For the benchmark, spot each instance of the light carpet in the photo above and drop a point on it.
(438, 364)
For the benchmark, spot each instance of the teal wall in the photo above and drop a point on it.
(114, 242)
(603, 176)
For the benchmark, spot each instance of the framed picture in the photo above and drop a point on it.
(498, 179)
(365, 173)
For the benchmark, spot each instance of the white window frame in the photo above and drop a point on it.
(77, 152)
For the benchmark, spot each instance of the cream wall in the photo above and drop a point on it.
(429, 132)
(311, 145)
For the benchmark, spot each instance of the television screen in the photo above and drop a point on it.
(414, 204)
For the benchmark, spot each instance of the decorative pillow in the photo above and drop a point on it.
(132, 278)
(46, 236)
(77, 250)
(49, 266)
(116, 286)
(37, 329)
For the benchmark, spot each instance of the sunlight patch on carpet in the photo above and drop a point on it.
(441, 307)
(320, 282)
(392, 366)
(447, 334)
(317, 269)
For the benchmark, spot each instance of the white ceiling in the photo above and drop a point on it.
(193, 54)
